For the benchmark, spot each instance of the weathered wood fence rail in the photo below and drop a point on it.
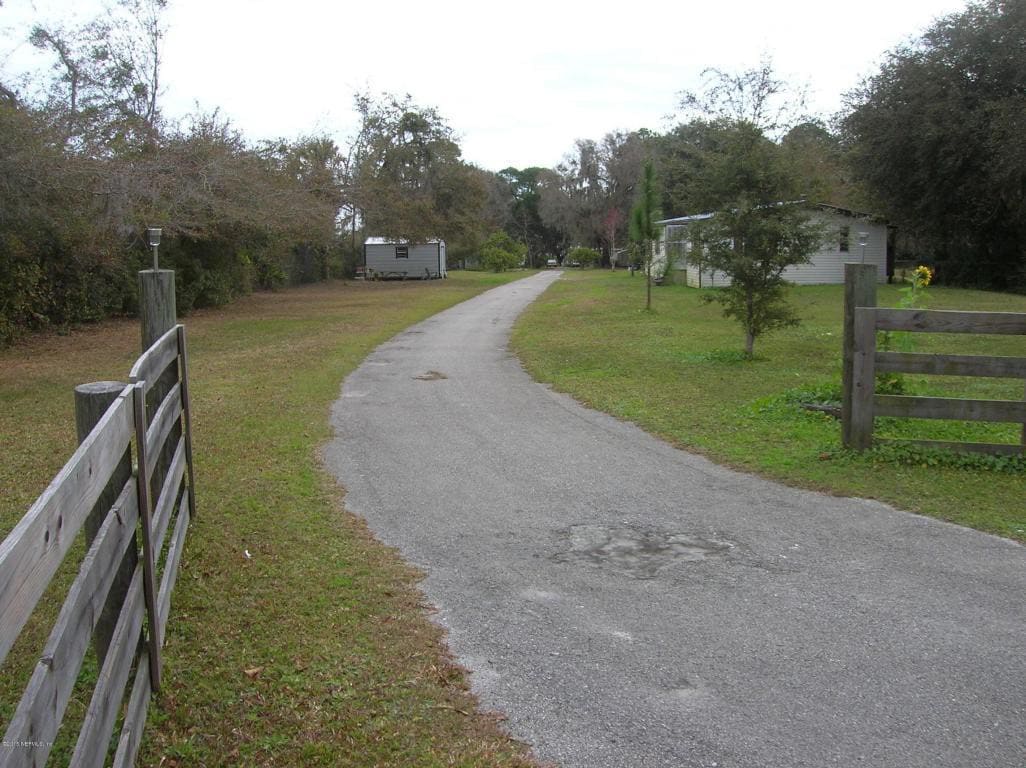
(863, 361)
(148, 503)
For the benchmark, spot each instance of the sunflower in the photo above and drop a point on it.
(921, 276)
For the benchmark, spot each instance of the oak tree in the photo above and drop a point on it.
(936, 135)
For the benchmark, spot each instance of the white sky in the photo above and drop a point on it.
(518, 81)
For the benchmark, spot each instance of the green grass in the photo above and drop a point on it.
(317, 650)
(678, 372)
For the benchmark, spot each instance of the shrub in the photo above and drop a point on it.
(501, 252)
(586, 257)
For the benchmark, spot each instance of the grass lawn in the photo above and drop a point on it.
(678, 373)
(316, 650)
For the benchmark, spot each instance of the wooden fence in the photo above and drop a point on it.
(863, 361)
(29, 557)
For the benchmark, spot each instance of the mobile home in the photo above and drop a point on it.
(399, 259)
(850, 236)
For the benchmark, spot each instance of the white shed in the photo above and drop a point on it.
(844, 228)
(399, 259)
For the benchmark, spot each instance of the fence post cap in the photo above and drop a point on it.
(100, 387)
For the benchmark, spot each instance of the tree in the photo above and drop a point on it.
(820, 162)
(936, 135)
(753, 245)
(54, 263)
(588, 196)
(106, 84)
(501, 252)
(758, 228)
(623, 157)
(236, 215)
(86, 164)
(754, 97)
(571, 195)
(75, 139)
(525, 221)
(642, 225)
(408, 180)
(611, 223)
(681, 155)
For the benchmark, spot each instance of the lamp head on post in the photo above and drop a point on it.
(153, 238)
(863, 240)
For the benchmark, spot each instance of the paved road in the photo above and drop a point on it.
(629, 604)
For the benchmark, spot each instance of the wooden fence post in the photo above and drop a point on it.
(863, 379)
(91, 402)
(859, 291)
(157, 309)
(158, 314)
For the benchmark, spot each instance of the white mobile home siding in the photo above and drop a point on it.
(424, 259)
(827, 264)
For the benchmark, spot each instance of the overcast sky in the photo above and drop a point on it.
(518, 81)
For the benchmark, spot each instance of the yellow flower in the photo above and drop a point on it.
(921, 276)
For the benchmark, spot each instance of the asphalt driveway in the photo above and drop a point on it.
(625, 603)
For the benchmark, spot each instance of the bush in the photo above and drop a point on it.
(586, 257)
(501, 252)
(234, 217)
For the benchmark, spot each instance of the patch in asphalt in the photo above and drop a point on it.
(430, 376)
(636, 551)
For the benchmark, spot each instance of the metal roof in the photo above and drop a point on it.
(687, 219)
(821, 206)
(391, 241)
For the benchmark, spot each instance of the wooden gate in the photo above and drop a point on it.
(32, 553)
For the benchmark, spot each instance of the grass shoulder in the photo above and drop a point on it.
(316, 648)
(678, 371)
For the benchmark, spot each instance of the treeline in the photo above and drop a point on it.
(932, 144)
(72, 220)
(586, 200)
(87, 162)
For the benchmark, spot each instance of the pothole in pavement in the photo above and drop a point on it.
(638, 551)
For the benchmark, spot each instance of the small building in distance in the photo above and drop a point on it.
(397, 259)
(844, 231)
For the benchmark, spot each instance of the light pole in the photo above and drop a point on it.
(863, 239)
(153, 238)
